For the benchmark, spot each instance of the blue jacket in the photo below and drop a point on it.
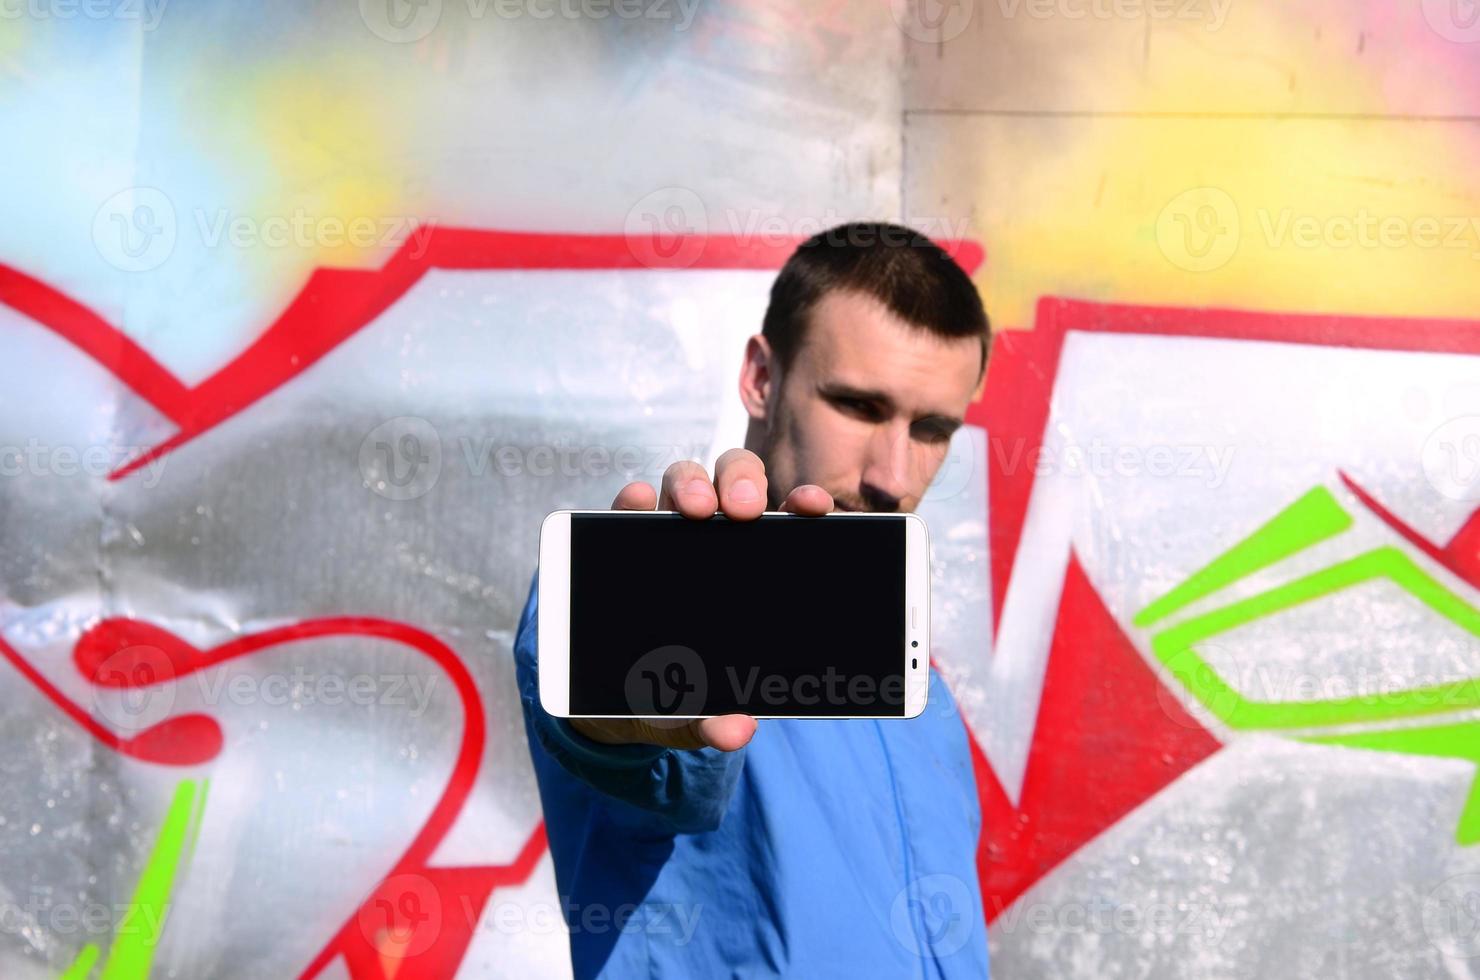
(824, 848)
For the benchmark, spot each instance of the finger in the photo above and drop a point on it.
(809, 500)
(636, 496)
(726, 732)
(740, 477)
(673, 733)
(668, 732)
(688, 490)
(723, 732)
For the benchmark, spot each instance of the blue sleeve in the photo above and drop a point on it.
(655, 788)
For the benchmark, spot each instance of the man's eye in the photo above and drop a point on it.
(857, 406)
(933, 435)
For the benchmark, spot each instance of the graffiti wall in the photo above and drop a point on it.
(1225, 718)
(309, 314)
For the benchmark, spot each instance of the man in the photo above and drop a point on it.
(802, 848)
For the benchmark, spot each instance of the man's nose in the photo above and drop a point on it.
(887, 473)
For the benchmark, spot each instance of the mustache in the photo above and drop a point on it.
(867, 502)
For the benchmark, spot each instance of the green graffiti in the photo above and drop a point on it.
(1313, 518)
(138, 934)
(1308, 521)
(82, 966)
(1176, 649)
(1458, 741)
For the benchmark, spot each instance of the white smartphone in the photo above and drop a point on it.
(651, 614)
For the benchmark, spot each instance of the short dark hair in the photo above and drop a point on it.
(911, 275)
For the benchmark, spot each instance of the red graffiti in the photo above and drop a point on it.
(1107, 738)
(1109, 735)
(332, 306)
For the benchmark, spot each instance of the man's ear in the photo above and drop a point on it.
(759, 377)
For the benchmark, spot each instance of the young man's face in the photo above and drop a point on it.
(866, 409)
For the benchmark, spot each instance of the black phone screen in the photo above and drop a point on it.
(781, 615)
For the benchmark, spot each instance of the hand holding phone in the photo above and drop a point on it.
(738, 491)
(655, 626)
